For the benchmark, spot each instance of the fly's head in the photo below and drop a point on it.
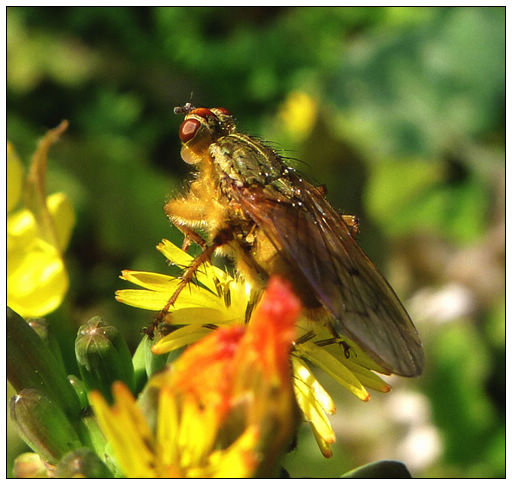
(200, 128)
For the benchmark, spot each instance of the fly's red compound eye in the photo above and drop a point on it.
(223, 111)
(202, 112)
(188, 129)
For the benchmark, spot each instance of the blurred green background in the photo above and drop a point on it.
(399, 111)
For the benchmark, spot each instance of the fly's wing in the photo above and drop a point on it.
(313, 237)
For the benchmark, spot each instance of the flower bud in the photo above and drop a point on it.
(103, 357)
(80, 390)
(82, 463)
(31, 364)
(29, 465)
(146, 363)
(43, 425)
(139, 365)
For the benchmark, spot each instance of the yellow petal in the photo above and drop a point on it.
(240, 460)
(325, 447)
(180, 338)
(174, 254)
(371, 380)
(21, 229)
(361, 366)
(197, 432)
(167, 428)
(313, 403)
(191, 297)
(127, 432)
(36, 279)
(323, 359)
(150, 281)
(145, 299)
(357, 360)
(206, 274)
(202, 315)
(63, 215)
(302, 373)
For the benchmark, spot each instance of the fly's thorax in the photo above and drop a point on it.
(246, 160)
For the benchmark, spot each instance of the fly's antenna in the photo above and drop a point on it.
(186, 108)
(183, 110)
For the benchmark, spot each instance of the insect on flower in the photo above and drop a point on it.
(269, 220)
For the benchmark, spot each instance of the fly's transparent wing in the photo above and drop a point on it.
(313, 238)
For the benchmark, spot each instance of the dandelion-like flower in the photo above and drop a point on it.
(217, 299)
(225, 408)
(37, 235)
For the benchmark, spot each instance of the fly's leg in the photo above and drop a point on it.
(336, 340)
(346, 349)
(191, 237)
(221, 239)
(187, 278)
(353, 224)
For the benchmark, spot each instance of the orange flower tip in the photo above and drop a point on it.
(120, 390)
(327, 452)
(330, 440)
(280, 300)
(124, 274)
(366, 398)
(95, 395)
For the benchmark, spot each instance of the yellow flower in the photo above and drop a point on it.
(298, 114)
(224, 408)
(36, 236)
(218, 299)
